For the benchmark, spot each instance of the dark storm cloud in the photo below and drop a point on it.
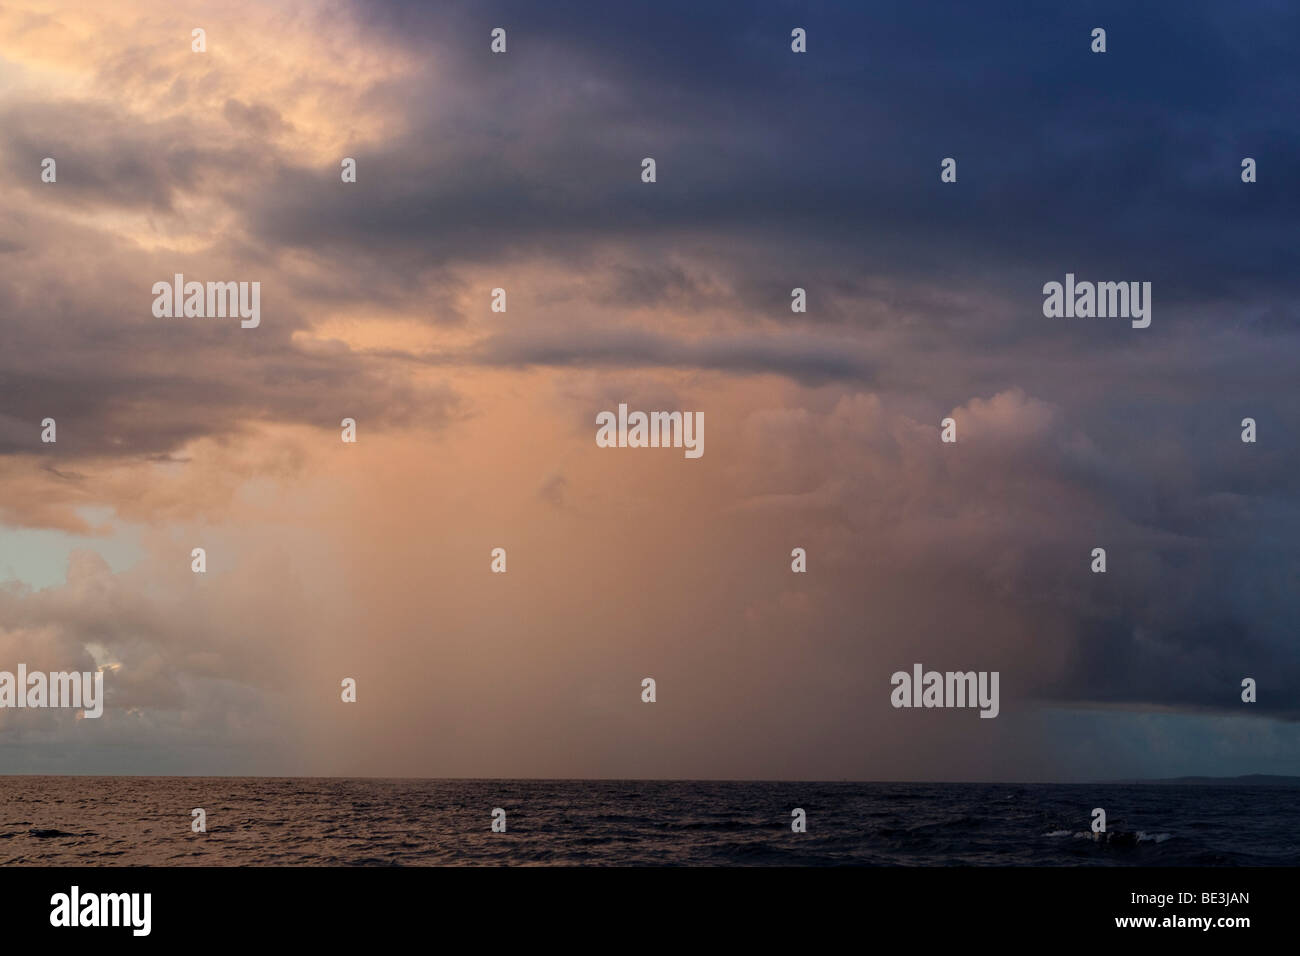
(1067, 160)
(80, 345)
(808, 363)
(109, 157)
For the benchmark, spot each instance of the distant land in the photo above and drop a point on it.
(1247, 780)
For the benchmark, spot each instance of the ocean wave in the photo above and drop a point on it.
(146, 821)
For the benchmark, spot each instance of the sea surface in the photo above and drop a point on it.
(121, 821)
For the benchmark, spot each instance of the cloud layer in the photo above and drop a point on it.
(775, 171)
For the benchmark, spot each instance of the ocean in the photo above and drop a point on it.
(133, 821)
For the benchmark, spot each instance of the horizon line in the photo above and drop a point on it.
(1000, 783)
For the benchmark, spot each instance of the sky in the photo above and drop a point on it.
(475, 429)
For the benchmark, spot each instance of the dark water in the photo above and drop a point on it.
(329, 822)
